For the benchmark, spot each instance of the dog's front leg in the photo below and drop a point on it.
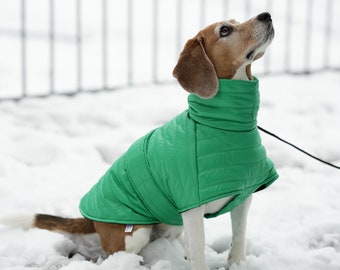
(194, 236)
(239, 224)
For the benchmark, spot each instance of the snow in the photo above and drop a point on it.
(53, 150)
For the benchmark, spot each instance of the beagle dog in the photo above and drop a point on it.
(223, 50)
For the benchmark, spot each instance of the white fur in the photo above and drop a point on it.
(137, 240)
(23, 221)
(194, 237)
(215, 206)
(239, 224)
(194, 232)
(241, 73)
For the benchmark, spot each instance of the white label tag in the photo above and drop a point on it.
(128, 228)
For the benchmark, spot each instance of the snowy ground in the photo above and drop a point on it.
(54, 150)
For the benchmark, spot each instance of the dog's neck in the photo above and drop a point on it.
(243, 73)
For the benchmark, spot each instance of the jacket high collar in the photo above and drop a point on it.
(234, 107)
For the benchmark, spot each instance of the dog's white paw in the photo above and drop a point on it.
(235, 259)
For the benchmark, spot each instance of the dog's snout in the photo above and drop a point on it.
(264, 17)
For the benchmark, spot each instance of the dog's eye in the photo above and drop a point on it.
(225, 31)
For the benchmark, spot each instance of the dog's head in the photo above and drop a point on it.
(222, 50)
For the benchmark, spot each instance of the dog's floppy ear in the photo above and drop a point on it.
(194, 70)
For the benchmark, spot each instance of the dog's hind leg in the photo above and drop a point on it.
(114, 237)
(138, 239)
(239, 224)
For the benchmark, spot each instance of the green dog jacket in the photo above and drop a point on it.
(210, 151)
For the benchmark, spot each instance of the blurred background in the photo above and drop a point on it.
(69, 46)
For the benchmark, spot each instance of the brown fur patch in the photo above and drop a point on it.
(112, 236)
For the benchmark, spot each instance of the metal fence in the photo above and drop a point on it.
(67, 47)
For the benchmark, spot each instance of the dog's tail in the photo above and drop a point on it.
(51, 223)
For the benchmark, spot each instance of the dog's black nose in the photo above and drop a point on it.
(264, 17)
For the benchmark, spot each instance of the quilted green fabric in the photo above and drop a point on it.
(210, 151)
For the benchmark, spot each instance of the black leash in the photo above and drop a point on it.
(297, 148)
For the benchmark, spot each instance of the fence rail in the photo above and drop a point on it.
(66, 47)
